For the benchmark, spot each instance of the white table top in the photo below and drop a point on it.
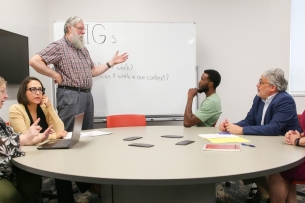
(107, 159)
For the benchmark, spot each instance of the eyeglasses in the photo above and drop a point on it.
(35, 89)
(80, 28)
(4, 92)
(260, 82)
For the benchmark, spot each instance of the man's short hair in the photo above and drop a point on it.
(71, 22)
(213, 76)
(21, 95)
(276, 77)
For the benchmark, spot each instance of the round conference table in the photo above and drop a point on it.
(165, 172)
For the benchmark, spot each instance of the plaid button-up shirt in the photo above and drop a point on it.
(74, 65)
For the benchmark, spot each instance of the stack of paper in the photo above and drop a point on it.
(223, 138)
(89, 134)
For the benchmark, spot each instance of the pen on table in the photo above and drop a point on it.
(224, 133)
(249, 145)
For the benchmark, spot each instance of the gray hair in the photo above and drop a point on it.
(71, 22)
(2, 81)
(276, 77)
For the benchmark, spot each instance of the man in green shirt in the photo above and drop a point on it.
(210, 109)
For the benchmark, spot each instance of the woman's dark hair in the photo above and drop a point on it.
(21, 95)
(214, 77)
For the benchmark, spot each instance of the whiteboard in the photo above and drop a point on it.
(154, 81)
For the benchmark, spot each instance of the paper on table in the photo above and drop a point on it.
(94, 133)
(216, 135)
(89, 134)
(223, 138)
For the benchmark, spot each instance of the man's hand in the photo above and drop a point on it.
(189, 118)
(57, 79)
(222, 126)
(39, 64)
(116, 59)
(192, 93)
(234, 129)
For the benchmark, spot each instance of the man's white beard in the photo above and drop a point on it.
(77, 42)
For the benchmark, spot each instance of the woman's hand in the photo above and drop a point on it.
(46, 133)
(287, 137)
(61, 134)
(42, 136)
(291, 135)
(30, 134)
(45, 101)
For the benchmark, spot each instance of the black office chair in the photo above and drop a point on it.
(48, 192)
(253, 195)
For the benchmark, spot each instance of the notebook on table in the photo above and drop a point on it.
(222, 147)
(66, 143)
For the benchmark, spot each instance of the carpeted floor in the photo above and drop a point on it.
(237, 192)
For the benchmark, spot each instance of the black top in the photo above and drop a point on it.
(43, 122)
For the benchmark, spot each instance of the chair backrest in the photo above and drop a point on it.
(300, 123)
(125, 120)
(299, 118)
(215, 123)
(296, 182)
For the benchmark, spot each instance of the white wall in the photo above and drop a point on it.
(239, 38)
(28, 18)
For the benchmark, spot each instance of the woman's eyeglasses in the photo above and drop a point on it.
(4, 92)
(35, 89)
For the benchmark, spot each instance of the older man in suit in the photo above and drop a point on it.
(273, 113)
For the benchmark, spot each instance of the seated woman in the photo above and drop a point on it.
(28, 185)
(280, 187)
(34, 104)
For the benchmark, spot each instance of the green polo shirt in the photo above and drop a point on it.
(209, 111)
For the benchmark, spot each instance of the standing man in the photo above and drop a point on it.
(73, 73)
(210, 109)
(74, 70)
(273, 113)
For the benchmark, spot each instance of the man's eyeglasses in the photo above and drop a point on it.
(260, 82)
(80, 28)
(35, 89)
